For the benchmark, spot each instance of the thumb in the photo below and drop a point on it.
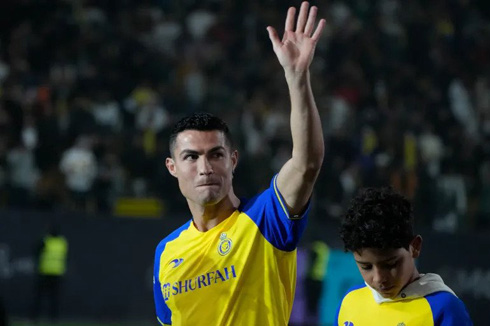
(273, 36)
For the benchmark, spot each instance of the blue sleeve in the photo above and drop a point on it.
(164, 315)
(269, 212)
(448, 310)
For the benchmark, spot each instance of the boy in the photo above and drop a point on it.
(378, 230)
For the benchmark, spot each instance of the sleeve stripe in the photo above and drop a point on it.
(279, 198)
(281, 201)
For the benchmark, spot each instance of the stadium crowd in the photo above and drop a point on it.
(89, 90)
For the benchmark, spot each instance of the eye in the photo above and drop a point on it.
(391, 265)
(218, 155)
(366, 267)
(190, 157)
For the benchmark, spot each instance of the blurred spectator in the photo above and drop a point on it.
(22, 176)
(199, 21)
(3, 171)
(109, 182)
(152, 116)
(79, 166)
(483, 212)
(137, 163)
(452, 201)
(139, 97)
(194, 84)
(50, 142)
(107, 113)
(4, 70)
(462, 107)
(165, 33)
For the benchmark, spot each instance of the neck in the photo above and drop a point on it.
(415, 276)
(207, 217)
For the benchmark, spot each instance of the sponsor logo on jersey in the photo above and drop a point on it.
(348, 323)
(176, 262)
(224, 245)
(201, 281)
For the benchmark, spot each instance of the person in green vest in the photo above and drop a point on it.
(52, 258)
(318, 254)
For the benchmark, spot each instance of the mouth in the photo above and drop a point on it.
(386, 290)
(207, 184)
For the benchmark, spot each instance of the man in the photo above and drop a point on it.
(378, 230)
(234, 262)
(52, 254)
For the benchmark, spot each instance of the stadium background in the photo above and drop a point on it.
(403, 90)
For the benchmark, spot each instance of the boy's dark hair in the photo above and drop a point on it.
(199, 121)
(377, 218)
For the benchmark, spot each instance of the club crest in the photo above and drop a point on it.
(224, 245)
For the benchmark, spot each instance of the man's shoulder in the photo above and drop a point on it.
(172, 236)
(258, 199)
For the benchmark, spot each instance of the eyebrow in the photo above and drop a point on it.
(194, 152)
(382, 261)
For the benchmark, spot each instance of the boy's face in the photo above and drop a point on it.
(388, 271)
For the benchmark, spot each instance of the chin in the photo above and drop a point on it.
(210, 200)
(389, 295)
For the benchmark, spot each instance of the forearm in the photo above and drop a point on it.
(295, 52)
(306, 129)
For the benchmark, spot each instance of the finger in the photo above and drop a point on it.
(311, 21)
(319, 29)
(303, 14)
(290, 19)
(273, 36)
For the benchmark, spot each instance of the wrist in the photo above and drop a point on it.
(295, 78)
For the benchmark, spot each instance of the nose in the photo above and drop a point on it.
(380, 276)
(205, 167)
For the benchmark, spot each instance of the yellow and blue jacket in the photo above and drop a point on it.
(424, 302)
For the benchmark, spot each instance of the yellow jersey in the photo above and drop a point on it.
(241, 272)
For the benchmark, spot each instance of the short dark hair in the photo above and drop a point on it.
(377, 218)
(201, 121)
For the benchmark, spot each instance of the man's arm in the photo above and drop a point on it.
(295, 52)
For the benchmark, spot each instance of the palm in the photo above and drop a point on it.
(295, 50)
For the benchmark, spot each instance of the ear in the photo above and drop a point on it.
(416, 246)
(234, 159)
(169, 162)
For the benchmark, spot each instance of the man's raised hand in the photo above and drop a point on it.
(295, 50)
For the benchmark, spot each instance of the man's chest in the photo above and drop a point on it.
(198, 266)
(198, 263)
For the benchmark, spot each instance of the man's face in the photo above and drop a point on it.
(203, 163)
(388, 271)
